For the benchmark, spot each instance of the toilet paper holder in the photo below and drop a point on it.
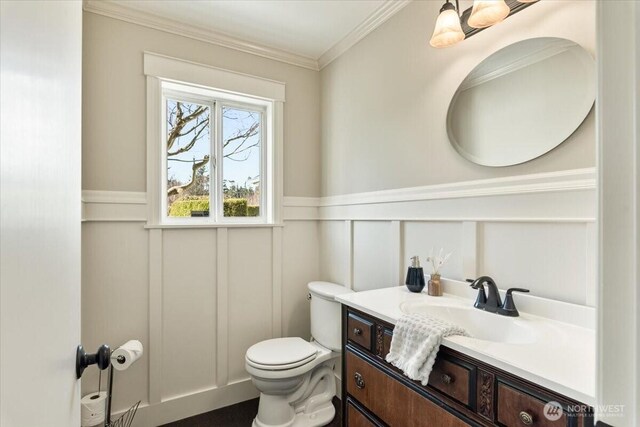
(102, 358)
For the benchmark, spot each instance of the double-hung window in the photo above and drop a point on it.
(215, 153)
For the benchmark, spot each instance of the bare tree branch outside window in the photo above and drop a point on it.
(189, 159)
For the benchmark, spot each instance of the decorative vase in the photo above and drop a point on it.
(435, 287)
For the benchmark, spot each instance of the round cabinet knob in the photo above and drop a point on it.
(357, 331)
(359, 380)
(447, 379)
(526, 418)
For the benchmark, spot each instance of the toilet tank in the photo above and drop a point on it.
(326, 314)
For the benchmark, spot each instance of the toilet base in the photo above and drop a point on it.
(320, 417)
(309, 405)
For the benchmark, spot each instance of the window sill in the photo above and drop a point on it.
(218, 225)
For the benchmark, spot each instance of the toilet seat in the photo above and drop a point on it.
(281, 354)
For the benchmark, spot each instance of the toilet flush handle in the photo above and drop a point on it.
(309, 296)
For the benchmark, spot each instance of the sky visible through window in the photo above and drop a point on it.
(241, 156)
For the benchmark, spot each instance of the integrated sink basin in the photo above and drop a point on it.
(479, 324)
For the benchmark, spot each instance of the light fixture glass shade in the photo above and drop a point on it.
(486, 13)
(448, 30)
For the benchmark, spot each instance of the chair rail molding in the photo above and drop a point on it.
(563, 196)
(568, 180)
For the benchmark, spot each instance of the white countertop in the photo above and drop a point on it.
(560, 356)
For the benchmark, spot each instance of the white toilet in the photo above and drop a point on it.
(296, 377)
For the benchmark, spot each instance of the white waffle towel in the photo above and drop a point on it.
(415, 344)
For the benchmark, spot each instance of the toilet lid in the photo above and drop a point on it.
(279, 352)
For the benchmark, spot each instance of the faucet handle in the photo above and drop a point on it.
(509, 307)
(510, 290)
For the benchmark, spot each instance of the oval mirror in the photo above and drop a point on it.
(522, 101)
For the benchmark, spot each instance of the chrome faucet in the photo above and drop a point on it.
(492, 302)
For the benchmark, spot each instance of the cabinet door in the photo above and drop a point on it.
(391, 401)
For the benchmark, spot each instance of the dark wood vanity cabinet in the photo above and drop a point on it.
(462, 391)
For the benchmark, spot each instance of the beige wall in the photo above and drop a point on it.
(114, 114)
(197, 299)
(384, 102)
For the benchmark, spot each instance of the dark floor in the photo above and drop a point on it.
(238, 415)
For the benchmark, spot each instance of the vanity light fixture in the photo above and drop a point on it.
(486, 13)
(448, 30)
(453, 25)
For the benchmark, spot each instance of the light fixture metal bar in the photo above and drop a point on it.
(514, 5)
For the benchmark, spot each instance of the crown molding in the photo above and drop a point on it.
(377, 18)
(127, 14)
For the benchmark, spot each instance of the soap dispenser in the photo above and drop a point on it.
(415, 276)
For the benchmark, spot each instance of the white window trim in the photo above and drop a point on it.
(159, 70)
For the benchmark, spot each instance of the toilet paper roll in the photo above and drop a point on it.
(93, 407)
(126, 354)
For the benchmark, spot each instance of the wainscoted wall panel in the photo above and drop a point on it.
(196, 298)
(115, 301)
(372, 255)
(250, 283)
(554, 260)
(188, 311)
(250, 294)
(301, 265)
(535, 231)
(548, 258)
(335, 251)
(420, 237)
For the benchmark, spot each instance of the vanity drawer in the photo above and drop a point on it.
(359, 330)
(453, 378)
(516, 408)
(355, 418)
(393, 402)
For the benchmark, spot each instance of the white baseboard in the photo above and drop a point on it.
(188, 405)
(185, 406)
